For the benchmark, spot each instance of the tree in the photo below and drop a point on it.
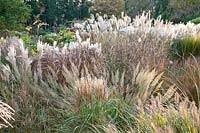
(109, 7)
(14, 14)
(157, 7)
(55, 12)
(173, 10)
(163, 9)
(134, 7)
(185, 10)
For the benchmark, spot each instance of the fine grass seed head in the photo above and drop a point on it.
(89, 89)
(6, 115)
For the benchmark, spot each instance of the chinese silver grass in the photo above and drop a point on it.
(83, 55)
(142, 22)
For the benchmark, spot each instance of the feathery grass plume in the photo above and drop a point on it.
(173, 114)
(110, 129)
(187, 79)
(127, 50)
(6, 115)
(143, 84)
(84, 56)
(30, 95)
(89, 89)
(144, 39)
(46, 90)
(57, 65)
(147, 82)
(143, 22)
(15, 60)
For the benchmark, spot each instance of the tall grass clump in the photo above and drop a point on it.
(34, 85)
(152, 108)
(178, 115)
(124, 83)
(185, 47)
(186, 79)
(115, 104)
(85, 57)
(143, 40)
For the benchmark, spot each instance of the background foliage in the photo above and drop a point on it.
(55, 12)
(174, 10)
(109, 7)
(14, 14)
(17, 13)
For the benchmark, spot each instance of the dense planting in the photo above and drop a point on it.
(125, 76)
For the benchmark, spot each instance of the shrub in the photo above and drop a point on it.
(157, 7)
(196, 20)
(62, 38)
(109, 7)
(10, 21)
(184, 10)
(133, 7)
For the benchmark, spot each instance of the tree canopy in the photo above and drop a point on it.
(14, 14)
(55, 12)
(173, 10)
(109, 7)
